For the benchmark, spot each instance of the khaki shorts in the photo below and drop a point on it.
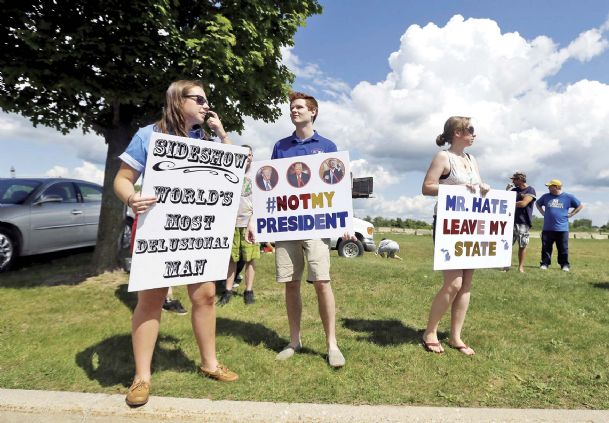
(521, 234)
(290, 257)
(243, 249)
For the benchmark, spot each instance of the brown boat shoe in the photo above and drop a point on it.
(222, 373)
(138, 393)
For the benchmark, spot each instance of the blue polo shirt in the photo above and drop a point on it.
(556, 210)
(293, 146)
(137, 150)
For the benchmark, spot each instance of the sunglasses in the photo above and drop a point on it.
(470, 129)
(201, 101)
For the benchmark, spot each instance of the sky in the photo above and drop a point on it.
(533, 75)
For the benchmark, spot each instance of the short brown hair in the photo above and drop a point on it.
(309, 101)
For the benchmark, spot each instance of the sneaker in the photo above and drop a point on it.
(543, 267)
(174, 306)
(566, 269)
(236, 284)
(336, 358)
(288, 352)
(225, 298)
(248, 297)
(138, 393)
(222, 374)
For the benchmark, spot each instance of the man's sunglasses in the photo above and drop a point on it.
(201, 101)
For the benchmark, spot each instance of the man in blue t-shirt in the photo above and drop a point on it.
(525, 198)
(290, 255)
(554, 207)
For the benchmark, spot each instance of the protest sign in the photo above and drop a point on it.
(186, 236)
(303, 197)
(472, 231)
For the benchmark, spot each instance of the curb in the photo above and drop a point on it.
(18, 405)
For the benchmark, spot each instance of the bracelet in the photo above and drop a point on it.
(129, 200)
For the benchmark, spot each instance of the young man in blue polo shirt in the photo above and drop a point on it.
(290, 255)
(554, 207)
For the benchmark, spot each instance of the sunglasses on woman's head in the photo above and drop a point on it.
(201, 101)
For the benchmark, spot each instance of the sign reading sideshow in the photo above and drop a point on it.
(186, 237)
(303, 197)
(472, 231)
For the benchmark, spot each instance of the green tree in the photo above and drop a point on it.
(582, 225)
(537, 223)
(105, 65)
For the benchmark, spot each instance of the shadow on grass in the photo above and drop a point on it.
(251, 333)
(386, 332)
(126, 297)
(256, 334)
(110, 362)
(69, 267)
(601, 285)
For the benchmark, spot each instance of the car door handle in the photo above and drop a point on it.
(75, 212)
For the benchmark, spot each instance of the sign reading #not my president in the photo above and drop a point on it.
(186, 236)
(472, 231)
(303, 197)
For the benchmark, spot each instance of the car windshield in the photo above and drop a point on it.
(15, 191)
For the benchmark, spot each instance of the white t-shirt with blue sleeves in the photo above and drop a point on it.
(137, 151)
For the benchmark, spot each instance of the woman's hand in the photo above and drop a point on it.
(140, 204)
(215, 125)
(484, 189)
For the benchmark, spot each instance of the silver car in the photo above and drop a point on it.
(41, 215)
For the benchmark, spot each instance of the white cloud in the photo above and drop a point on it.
(382, 177)
(87, 171)
(58, 172)
(18, 129)
(469, 67)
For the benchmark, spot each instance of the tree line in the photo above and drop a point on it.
(578, 225)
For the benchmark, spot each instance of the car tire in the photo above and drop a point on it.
(125, 239)
(350, 248)
(8, 250)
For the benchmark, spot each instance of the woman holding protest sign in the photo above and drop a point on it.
(452, 167)
(185, 112)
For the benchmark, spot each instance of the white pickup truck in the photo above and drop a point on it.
(364, 232)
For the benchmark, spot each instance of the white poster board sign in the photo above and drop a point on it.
(304, 197)
(473, 232)
(187, 236)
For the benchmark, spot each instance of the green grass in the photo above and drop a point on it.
(541, 338)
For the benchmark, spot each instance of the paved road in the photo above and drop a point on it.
(23, 406)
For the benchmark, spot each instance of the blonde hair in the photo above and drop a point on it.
(172, 121)
(452, 125)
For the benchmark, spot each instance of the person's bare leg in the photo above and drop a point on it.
(459, 310)
(202, 296)
(230, 277)
(250, 273)
(293, 303)
(439, 306)
(522, 252)
(327, 311)
(145, 329)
